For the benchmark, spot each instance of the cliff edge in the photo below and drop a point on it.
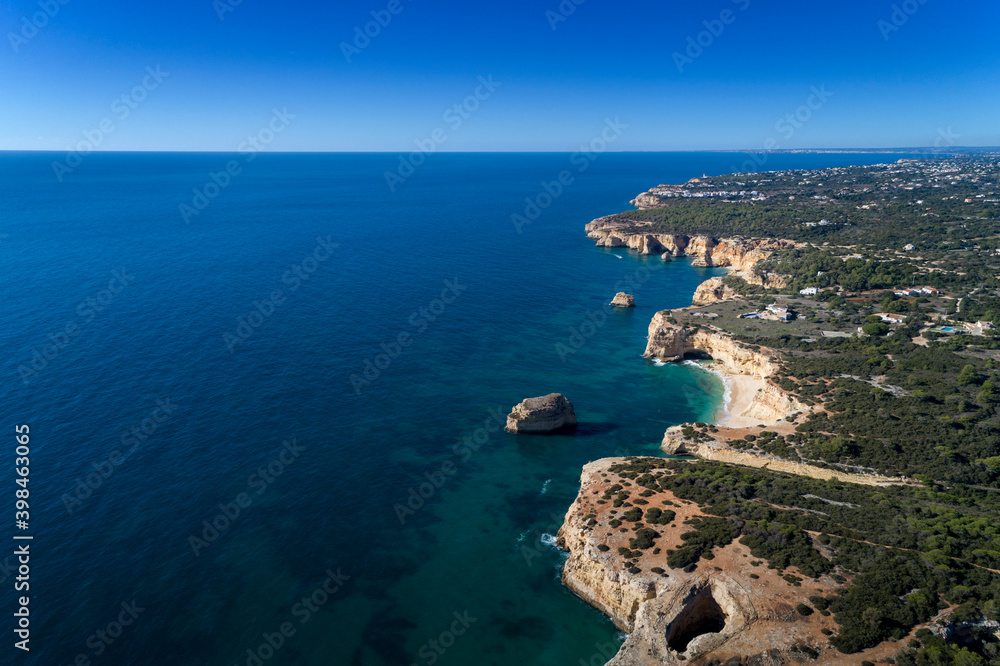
(738, 254)
(728, 609)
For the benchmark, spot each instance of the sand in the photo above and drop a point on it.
(740, 392)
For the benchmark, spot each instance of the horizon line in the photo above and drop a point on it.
(985, 149)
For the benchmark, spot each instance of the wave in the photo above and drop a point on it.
(549, 540)
(545, 486)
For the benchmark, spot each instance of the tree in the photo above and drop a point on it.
(987, 394)
(968, 375)
(876, 329)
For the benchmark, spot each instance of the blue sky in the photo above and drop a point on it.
(928, 70)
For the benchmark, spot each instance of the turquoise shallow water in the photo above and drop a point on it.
(477, 544)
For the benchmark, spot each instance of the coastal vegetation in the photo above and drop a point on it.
(892, 345)
(936, 205)
(908, 553)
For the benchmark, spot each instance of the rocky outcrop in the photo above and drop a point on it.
(647, 200)
(623, 300)
(735, 253)
(655, 610)
(721, 609)
(544, 414)
(771, 404)
(713, 290)
(671, 342)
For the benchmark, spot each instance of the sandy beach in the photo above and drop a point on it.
(740, 392)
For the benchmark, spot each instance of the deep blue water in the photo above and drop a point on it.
(120, 315)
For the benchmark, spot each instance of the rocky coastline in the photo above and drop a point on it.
(723, 610)
(738, 254)
(706, 614)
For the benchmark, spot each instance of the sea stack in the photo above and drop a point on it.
(667, 256)
(623, 300)
(544, 414)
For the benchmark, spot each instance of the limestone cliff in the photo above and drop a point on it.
(771, 404)
(721, 609)
(711, 291)
(671, 342)
(735, 253)
(647, 200)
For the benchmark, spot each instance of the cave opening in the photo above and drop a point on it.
(697, 355)
(701, 615)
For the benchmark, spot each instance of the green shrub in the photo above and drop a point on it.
(820, 603)
(643, 538)
(656, 516)
(633, 515)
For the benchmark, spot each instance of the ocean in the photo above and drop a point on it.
(265, 395)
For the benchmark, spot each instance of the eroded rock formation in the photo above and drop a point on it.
(623, 300)
(668, 341)
(711, 291)
(543, 414)
(738, 254)
(716, 612)
(647, 200)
